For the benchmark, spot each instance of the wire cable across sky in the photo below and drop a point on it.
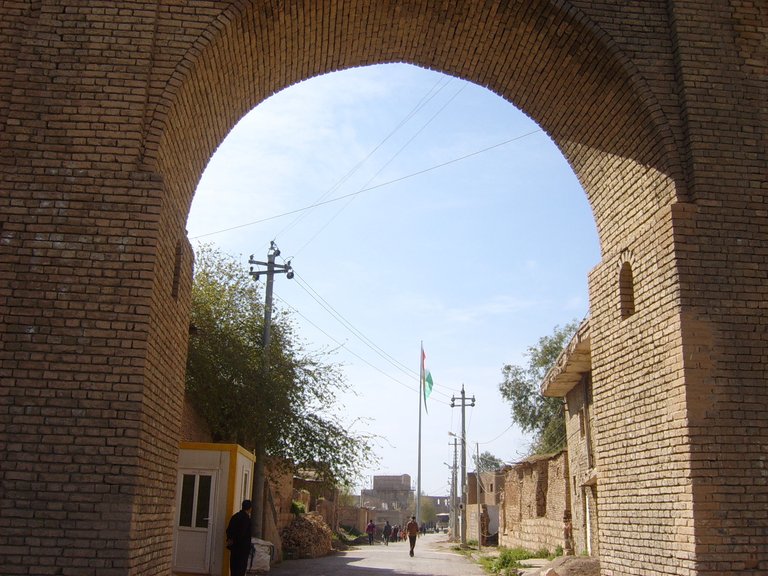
(369, 188)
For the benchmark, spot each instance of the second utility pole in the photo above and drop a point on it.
(463, 505)
(454, 508)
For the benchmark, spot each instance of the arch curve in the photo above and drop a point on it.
(603, 117)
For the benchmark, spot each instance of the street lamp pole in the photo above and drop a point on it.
(454, 472)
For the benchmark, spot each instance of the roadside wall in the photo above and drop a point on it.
(534, 503)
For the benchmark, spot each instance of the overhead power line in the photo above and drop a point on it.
(407, 371)
(383, 167)
(347, 324)
(430, 94)
(368, 188)
(343, 345)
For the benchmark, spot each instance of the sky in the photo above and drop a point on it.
(417, 209)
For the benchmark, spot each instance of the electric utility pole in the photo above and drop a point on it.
(463, 439)
(454, 473)
(257, 516)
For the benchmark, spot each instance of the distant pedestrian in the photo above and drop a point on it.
(239, 540)
(396, 533)
(412, 528)
(387, 531)
(371, 531)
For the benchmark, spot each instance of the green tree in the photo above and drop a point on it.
(487, 462)
(286, 410)
(427, 509)
(533, 412)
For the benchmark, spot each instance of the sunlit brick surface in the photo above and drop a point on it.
(109, 112)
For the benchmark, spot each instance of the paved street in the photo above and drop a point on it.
(433, 557)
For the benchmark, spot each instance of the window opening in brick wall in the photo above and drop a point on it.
(586, 380)
(626, 291)
(541, 492)
(573, 486)
(176, 272)
(587, 523)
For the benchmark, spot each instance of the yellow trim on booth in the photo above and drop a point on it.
(233, 450)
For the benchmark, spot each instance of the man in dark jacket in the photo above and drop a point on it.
(239, 540)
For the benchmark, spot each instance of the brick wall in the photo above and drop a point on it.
(193, 427)
(582, 466)
(278, 513)
(535, 501)
(110, 115)
(354, 517)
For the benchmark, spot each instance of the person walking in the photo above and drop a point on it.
(412, 528)
(387, 531)
(370, 530)
(239, 539)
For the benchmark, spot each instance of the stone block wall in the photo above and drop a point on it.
(354, 517)
(536, 498)
(583, 464)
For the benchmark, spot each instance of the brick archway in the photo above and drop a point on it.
(110, 115)
(605, 118)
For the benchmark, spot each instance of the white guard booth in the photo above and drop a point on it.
(213, 481)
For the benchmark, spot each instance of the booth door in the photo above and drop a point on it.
(196, 489)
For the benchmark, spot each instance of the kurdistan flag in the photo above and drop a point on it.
(426, 378)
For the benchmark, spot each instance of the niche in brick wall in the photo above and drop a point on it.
(176, 271)
(626, 291)
(542, 485)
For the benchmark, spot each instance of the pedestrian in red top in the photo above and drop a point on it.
(412, 528)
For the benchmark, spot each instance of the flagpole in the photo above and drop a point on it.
(418, 470)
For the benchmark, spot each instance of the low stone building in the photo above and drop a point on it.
(570, 378)
(536, 504)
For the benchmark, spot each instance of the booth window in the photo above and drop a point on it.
(195, 500)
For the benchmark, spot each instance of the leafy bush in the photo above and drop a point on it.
(298, 508)
(348, 533)
(509, 559)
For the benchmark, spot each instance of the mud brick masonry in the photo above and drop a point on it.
(109, 112)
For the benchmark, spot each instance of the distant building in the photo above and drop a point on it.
(483, 499)
(393, 493)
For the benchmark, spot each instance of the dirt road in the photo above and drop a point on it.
(433, 557)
